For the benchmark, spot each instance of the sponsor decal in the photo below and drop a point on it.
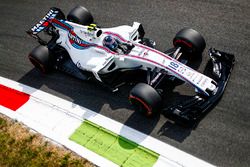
(204, 82)
(74, 39)
(44, 22)
(78, 64)
(87, 33)
(77, 42)
(181, 70)
(200, 79)
(189, 74)
(72, 36)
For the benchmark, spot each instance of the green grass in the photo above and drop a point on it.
(116, 148)
(19, 147)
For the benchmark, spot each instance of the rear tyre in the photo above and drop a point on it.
(190, 41)
(60, 14)
(40, 58)
(80, 15)
(145, 99)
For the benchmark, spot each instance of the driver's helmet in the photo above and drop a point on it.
(110, 42)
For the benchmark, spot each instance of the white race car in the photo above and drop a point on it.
(118, 55)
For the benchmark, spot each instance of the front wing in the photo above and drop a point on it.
(190, 111)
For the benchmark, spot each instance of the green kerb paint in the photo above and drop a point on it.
(116, 148)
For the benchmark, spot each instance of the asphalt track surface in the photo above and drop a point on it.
(221, 138)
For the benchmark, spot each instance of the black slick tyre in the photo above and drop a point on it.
(40, 58)
(80, 15)
(190, 41)
(145, 99)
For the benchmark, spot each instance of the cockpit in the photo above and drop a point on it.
(116, 45)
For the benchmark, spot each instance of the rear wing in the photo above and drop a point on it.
(45, 21)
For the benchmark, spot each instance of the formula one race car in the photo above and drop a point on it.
(118, 55)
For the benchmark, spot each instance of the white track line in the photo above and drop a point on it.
(74, 114)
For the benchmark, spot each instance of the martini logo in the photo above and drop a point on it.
(75, 38)
(43, 23)
(77, 42)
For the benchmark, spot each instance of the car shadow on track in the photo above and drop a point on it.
(95, 98)
(112, 105)
(87, 94)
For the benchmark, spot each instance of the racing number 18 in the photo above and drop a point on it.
(173, 65)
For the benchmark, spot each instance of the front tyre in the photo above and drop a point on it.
(40, 58)
(145, 99)
(190, 41)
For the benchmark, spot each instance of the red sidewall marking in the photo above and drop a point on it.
(11, 98)
(148, 108)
